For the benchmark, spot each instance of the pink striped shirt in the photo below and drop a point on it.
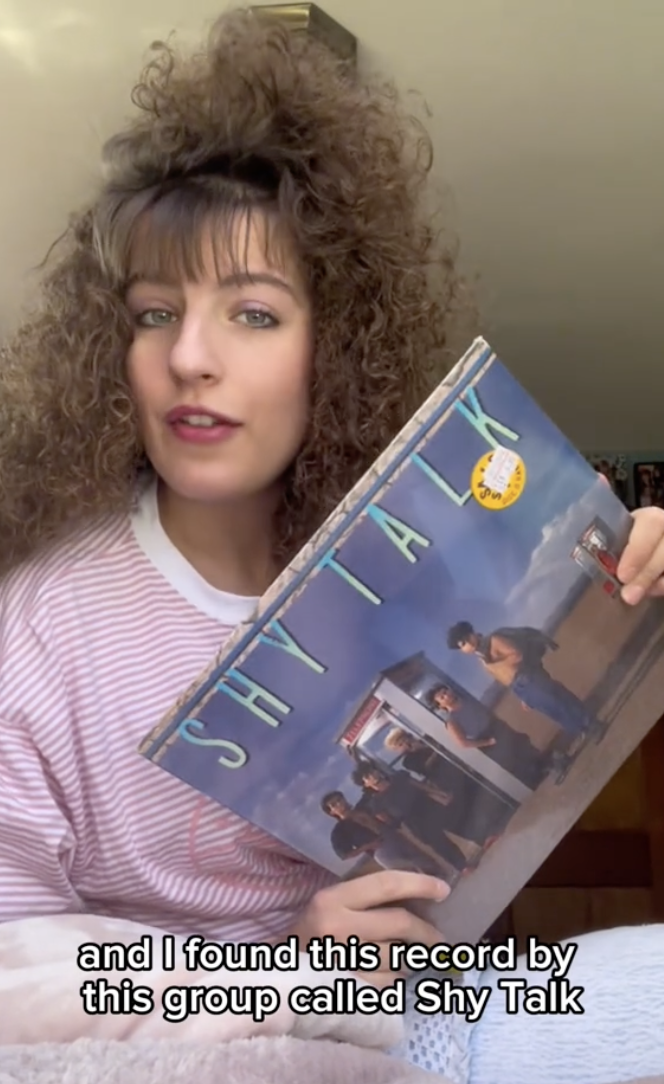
(98, 638)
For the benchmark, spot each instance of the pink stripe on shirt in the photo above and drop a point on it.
(97, 640)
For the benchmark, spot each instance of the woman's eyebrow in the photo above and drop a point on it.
(237, 278)
(264, 278)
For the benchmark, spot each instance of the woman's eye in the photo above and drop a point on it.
(154, 318)
(256, 318)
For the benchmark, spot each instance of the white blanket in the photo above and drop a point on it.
(279, 1060)
(47, 1038)
(40, 999)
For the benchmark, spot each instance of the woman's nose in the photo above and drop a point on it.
(195, 354)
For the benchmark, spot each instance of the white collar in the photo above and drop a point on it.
(176, 569)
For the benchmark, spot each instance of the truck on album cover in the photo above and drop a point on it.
(445, 676)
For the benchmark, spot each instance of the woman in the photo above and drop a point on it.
(250, 309)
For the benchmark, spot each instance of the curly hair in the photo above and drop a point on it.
(259, 118)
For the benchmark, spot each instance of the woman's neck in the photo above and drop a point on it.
(229, 545)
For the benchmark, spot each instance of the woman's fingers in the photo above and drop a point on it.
(641, 567)
(383, 888)
(364, 907)
(396, 924)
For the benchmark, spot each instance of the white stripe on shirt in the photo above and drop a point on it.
(98, 639)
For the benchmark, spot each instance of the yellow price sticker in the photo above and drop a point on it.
(498, 479)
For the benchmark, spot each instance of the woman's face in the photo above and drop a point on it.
(220, 372)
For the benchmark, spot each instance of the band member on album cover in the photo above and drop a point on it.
(473, 726)
(355, 833)
(359, 832)
(515, 658)
(485, 812)
(422, 808)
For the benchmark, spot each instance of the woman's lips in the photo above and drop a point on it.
(196, 425)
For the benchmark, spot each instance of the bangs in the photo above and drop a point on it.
(172, 233)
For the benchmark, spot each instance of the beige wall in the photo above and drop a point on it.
(548, 118)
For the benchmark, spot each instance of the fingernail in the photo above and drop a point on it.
(444, 889)
(633, 594)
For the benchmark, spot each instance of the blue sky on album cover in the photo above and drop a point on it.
(491, 568)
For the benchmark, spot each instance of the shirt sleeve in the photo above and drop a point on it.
(37, 842)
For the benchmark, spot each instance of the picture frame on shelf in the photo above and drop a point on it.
(636, 477)
(648, 482)
(615, 466)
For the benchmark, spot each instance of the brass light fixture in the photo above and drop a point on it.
(310, 19)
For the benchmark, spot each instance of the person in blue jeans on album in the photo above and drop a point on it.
(515, 658)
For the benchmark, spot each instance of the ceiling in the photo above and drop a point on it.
(548, 121)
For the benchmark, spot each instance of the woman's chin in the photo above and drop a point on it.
(199, 489)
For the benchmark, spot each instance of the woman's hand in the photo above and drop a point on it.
(641, 567)
(371, 908)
